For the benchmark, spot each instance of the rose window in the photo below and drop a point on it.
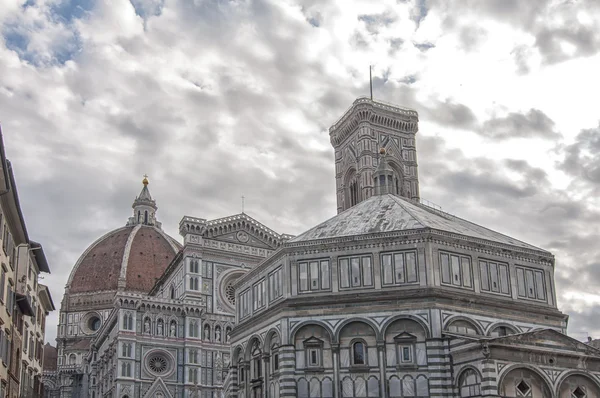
(158, 364)
(230, 294)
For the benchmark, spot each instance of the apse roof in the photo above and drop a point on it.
(392, 213)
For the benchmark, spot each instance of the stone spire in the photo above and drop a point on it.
(144, 208)
(383, 176)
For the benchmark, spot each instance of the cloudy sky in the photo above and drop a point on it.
(215, 99)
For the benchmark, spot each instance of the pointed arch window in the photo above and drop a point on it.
(172, 293)
(193, 356)
(126, 369)
(127, 321)
(126, 350)
(194, 283)
(193, 329)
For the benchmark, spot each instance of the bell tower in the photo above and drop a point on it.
(357, 137)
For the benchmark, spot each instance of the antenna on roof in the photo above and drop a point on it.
(371, 81)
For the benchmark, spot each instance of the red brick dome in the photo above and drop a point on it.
(131, 258)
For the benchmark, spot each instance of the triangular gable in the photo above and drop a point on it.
(546, 338)
(405, 336)
(157, 388)
(313, 341)
(244, 230)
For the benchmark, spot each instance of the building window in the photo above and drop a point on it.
(470, 384)
(172, 292)
(314, 275)
(399, 268)
(126, 350)
(275, 358)
(193, 356)
(72, 359)
(258, 295)
(579, 392)
(256, 362)
(194, 283)
(405, 348)
(2, 283)
(359, 353)
(193, 375)
(313, 348)
(127, 321)
(194, 266)
(193, 329)
(276, 284)
(9, 298)
(244, 304)
(456, 270)
(356, 272)
(241, 372)
(462, 327)
(494, 277)
(126, 369)
(530, 283)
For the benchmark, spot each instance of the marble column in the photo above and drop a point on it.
(335, 349)
(382, 378)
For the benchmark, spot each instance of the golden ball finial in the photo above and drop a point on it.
(382, 151)
(145, 180)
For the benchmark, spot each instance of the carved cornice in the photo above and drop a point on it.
(375, 112)
(237, 248)
(418, 236)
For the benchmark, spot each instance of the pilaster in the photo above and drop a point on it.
(287, 366)
(440, 368)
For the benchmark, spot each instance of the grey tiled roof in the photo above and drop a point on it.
(391, 213)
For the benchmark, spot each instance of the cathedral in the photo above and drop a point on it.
(389, 298)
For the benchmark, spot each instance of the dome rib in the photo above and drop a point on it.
(123, 274)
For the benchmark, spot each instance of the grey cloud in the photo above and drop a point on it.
(374, 21)
(450, 113)
(419, 12)
(522, 54)
(395, 45)
(582, 158)
(424, 47)
(534, 123)
(471, 36)
(585, 40)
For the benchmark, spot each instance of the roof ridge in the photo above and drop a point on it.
(407, 210)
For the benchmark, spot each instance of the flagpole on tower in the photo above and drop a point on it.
(371, 81)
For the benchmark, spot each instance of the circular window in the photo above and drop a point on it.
(226, 291)
(90, 323)
(94, 323)
(230, 294)
(159, 363)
